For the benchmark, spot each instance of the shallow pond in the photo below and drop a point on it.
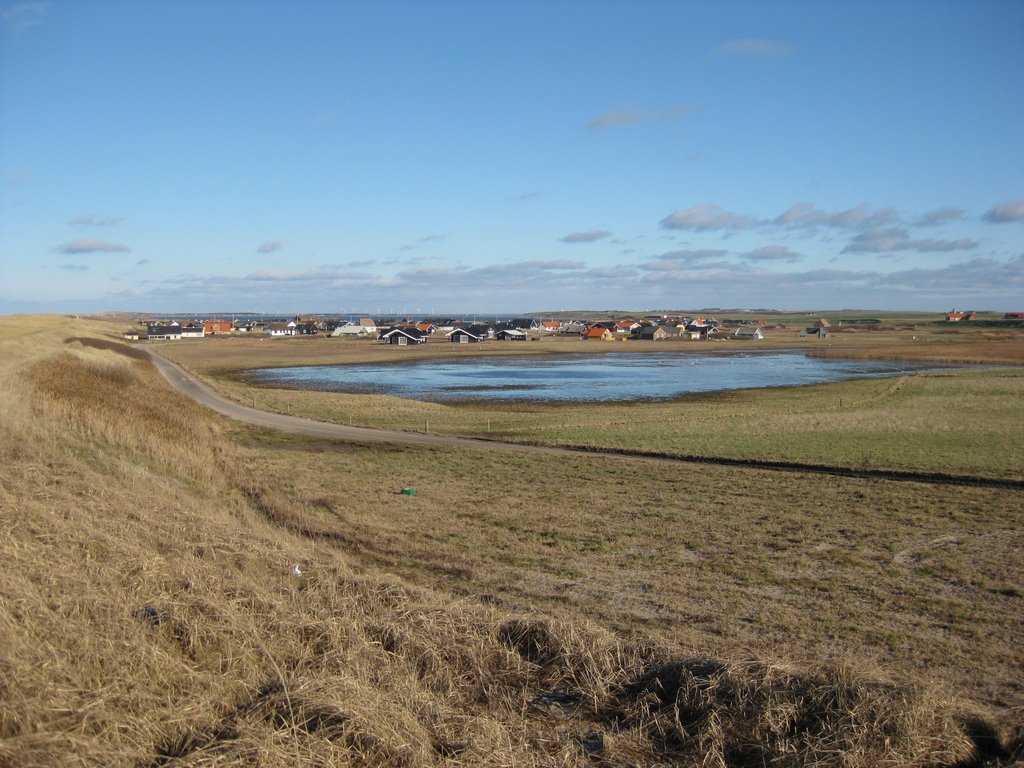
(578, 377)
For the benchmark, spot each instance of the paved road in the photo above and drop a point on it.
(192, 387)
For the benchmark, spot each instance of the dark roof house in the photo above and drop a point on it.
(402, 336)
(466, 336)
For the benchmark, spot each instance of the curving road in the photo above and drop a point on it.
(191, 387)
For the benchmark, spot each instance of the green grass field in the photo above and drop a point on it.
(957, 422)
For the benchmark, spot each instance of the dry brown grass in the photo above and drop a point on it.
(149, 617)
(926, 579)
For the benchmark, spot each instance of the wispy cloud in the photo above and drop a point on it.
(19, 178)
(698, 254)
(752, 46)
(85, 245)
(975, 281)
(426, 240)
(585, 237)
(540, 285)
(305, 275)
(940, 216)
(21, 17)
(523, 197)
(75, 267)
(92, 220)
(533, 266)
(894, 239)
(615, 116)
(772, 253)
(673, 261)
(1005, 213)
(808, 215)
(270, 247)
(619, 116)
(705, 217)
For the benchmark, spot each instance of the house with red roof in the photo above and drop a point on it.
(597, 332)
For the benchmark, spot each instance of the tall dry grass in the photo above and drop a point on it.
(150, 616)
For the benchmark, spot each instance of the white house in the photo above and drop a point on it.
(280, 329)
(353, 329)
(748, 332)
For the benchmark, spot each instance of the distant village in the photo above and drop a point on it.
(406, 331)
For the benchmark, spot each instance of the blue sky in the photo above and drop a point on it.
(510, 156)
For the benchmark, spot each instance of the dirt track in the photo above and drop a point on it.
(191, 387)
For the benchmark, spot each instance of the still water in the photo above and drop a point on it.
(578, 377)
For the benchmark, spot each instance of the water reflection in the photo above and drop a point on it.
(579, 377)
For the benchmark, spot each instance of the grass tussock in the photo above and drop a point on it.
(192, 613)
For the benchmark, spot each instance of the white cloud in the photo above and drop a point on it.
(753, 46)
(585, 237)
(84, 245)
(704, 217)
(1006, 212)
(270, 247)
